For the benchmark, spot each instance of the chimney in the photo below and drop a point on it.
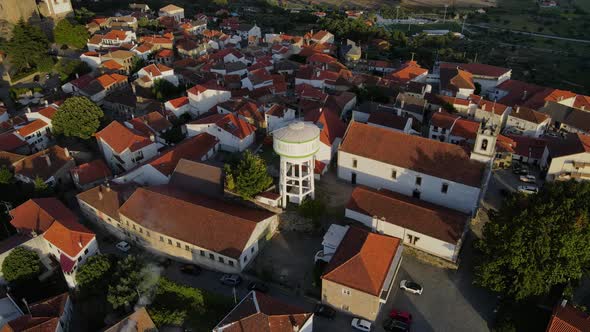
(48, 160)
(108, 187)
(563, 303)
(517, 109)
(67, 152)
(77, 75)
(80, 244)
(28, 109)
(46, 103)
(100, 193)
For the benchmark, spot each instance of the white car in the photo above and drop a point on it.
(361, 324)
(528, 189)
(123, 246)
(528, 178)
(410, 286)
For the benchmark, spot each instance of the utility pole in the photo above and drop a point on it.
(445, 16)
(463, 26)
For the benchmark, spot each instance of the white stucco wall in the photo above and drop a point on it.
(202, 102)
(227, 141)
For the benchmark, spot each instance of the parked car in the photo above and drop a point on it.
(394, 325)
(123, 246)
(191, 269)
(324, 311)
(528, 178)
(403, 316)
(258, 286)
(361, 324)
(231, 279)
(528, 189)
(410, 286)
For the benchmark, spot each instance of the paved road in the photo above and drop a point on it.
(541, 35)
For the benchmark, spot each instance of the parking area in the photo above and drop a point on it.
(503, 181)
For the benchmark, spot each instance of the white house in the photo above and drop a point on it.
(37, 132)
(430, 170)
(51, 314)
(487, 76)
(92, 59)
(158, 170)
(178, 106)
(277, 116)
(203, 98)
(527, 122)
(234, 134)
(567, 159)
(332, 130)
(113, 38)
(322, 37)
(151, 73)
(65, 239)
(248, 30)
(428, 227)
(172, 11)
(124, 148)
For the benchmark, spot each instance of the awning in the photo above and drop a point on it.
(66, 263)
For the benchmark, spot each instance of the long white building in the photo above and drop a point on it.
(437, 172)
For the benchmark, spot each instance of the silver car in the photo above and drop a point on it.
(410, 286)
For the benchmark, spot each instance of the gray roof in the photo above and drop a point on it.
(198, 178)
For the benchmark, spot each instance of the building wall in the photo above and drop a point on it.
(263, 229)
(377, 175)
(564, 164)
(13, 10)
(228, 142)
(148, 152)
(530, 129)
(89, 250)
(204, 101)
(109, 223)
(358, 303)
(443, 249)
(144, 175)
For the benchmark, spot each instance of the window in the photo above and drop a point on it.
(50, 246)
(79, 258)
(148, 233)
(434, 128)
(187, 248)
(354, 163)
(220, 259)
(394, 174)
(416, 194)
(346, 291)
(169, 242)
(484, 145)
(231, 263)
(412, 239)
(177, 244)
(133, 227)
(345, 307)
(245, 258)
(252, 250)
(211, 256)
(203, 253)
(443, 131)
(445, 188)
(418, 180)
(161, 239)
(86, 251)
(141, 230)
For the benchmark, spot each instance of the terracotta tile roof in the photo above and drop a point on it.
(95, 39)
(466, 129)
(194, 148)
(488, 106)
(120, 138)
(109, 199)
(111, 64)
(258, 312)
(528, 146)
(8, 158)
(566, 318)
(582, 102)
(178, 102)
(140, 320)
(156, 40)
(438, 159)
(575, 143)
(429, 219)
(277, 110)
(388, 119)
(329, 122)
(44, 316)
(171, 9)
(443, 120)
(38, 214)
(409, 71)
(91, 171)
(165, 54)
(69, 236)
(144, 47)
(32, 127)
(362, 260)
(48, 111)
(321, 58)
(37, 165)
(208, 223)
(518, 92)
(115, 35)
(320, 35)
(108, 80)
(230, 123)
(528, 114)
(150, 124)
(478, 69)
(11, 142)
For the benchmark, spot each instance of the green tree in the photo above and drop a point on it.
(40, 186)
(94, 272)
(312, 208)
(164, 90)
(73, 35)
(230, 183)
(83, 15)
(78, 117)
(28, 46)
(220, 3)
(536, 242)
(6, 176)
(21, 265)
(123, 290)
(173, 303)
(251, 176)
(68, 68)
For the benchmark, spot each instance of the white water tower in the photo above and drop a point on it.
(296, 144)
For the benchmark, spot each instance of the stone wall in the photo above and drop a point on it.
(13, 10)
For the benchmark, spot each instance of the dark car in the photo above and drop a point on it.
(191, 269)
(324, 311)
(258, 286)
(230, 279)
(394, 325)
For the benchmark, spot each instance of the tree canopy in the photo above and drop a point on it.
(95, 271)
(123, 290)
(73, 35)
(78, 117)
(250, 175)
(6, 176)
(21, 264)
(28, 47)
(536, 242)
(68, 68)
(173, 303)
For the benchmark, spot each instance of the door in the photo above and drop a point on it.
(353, 178)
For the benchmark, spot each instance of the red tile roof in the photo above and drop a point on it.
(44, 316)
(329, 121)
(120, 138)
(48, 111)
(407, 72)
(38, 214)
(230, 123)
(150, 124)
(11, 142)
(178, 102)
(438, 159)
(208, 223)
(443, 120)
(32, 127)
(91, 172)
(115, 34)
(194, 148)
(69, 236)
(36, 165)
(478, 69)
(429, 219)
(362, 260)
(466, 129)
(528, 114)
(488, 106)
(111, 64)
(568, 319)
